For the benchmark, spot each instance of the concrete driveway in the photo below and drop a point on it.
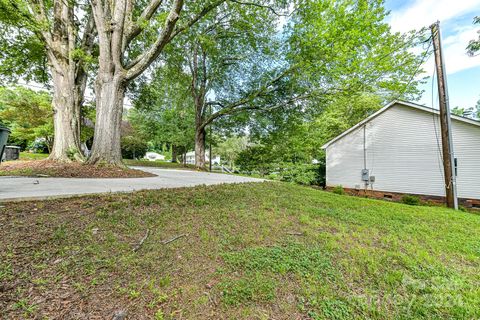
(24, 188)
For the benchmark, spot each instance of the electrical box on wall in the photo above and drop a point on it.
(365, 175)
(372, 179)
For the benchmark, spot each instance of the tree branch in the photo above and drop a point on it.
(37, 16)
(119, 13)
(243, 103)
(230, 110)
(262, 90)
(195, 19)
(136, 27)
(145, 59)
(260, 6)
(98, 15)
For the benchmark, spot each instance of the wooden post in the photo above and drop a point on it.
(445, 121)
(210, 145)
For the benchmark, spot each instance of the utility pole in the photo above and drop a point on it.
(445, 121)
(210, 146)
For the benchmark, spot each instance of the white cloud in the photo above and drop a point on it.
(456, 58)
(455, 55)
(422, 13)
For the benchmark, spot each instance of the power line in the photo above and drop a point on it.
(424, 57)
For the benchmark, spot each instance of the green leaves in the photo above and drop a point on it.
(27, 113)
(346, 45)
(474, 45)
(347, 63)
(163, 109)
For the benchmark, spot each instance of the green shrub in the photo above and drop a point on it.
(411, 200)
(37, 146)
(256, 159)
(133, 147)
(338, 190)
(73, 153)
(305, 174)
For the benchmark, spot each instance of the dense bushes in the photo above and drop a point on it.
(301, 173)
(263, 161)
(338, 190)
(133, 147)
(411, 200)
(256, 159)
(305, 174)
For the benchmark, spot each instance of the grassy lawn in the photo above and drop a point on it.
(158, 164)
(33, 156)
(251, 251)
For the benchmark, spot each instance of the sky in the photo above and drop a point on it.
(457, 29)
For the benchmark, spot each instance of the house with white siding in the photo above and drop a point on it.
(397, 150)
(190, 158)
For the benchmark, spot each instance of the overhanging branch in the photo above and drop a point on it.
(195, 19)
(230, 110)
(145, 59)
(260, 6)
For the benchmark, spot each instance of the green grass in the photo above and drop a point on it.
(252, 251)
(158, 164)
(33, 156)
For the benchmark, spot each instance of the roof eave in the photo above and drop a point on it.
(386, 107)
(367, 119)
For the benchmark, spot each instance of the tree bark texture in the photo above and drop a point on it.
(66, 119)
(198, 90)
(174, 153)
(68, 75)
(110, 92)
(116, 28)
(200, 136)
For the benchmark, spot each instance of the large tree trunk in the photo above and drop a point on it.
(116, 30)
(174, 153)
(69, 80)
(66, 119)
(110, 92)
(200, 135)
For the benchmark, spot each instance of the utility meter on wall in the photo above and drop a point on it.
(365, 175)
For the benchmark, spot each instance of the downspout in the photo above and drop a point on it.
(365, 154)
(364, 147)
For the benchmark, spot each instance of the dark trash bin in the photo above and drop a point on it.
(11, 153)
(4, 132)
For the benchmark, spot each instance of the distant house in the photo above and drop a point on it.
(190, 158)
(397, 150)
(153, 156)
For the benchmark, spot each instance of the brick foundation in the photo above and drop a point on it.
(397, 197)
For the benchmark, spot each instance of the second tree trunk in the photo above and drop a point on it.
(200, 135)
(110, 91)
(66, 119)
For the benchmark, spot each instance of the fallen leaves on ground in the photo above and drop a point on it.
(49, 168)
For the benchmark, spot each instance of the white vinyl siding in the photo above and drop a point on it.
(404, 154)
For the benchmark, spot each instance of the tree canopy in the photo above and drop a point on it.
(28, 114)
(287, 75)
